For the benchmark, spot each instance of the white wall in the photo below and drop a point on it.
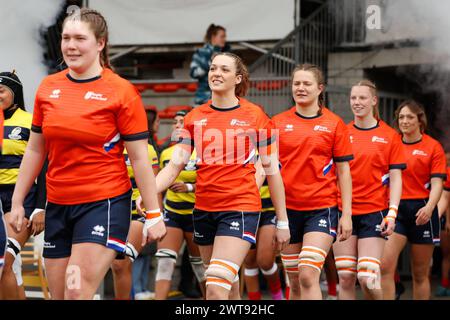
(19, 38)
(186, 21)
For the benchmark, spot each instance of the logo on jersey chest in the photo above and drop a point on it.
(320, 128)
(55, 94)
(289, 127)
(417, 152)
(15, 134)
(202, 122)
(239, 123)
(379, 140)
(90, 95)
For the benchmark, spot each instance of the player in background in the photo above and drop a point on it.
(314, 148)
(444, 211)
(418, 219)
(377, 186)
(17, 125)
(179, 203)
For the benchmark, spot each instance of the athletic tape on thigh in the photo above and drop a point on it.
(290, 262)
(221, 273)
(312, 257)
(346, 264)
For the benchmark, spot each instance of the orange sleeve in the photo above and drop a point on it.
(397, 158)
(36, 124)
(438, 162)
(342, 149)
(131, 118)
(266, 135)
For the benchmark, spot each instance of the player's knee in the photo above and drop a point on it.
(166, 264)
(369, 272)
(221, 273)
(346, 267)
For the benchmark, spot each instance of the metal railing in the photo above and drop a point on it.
(310, 41)
(350, 21)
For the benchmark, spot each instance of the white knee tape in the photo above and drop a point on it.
(198, 268)
(290, 262)
(346, 264)
(17, 269)
(166, 264)
(251, 272)
(13, 247)
(368, 267)
(312, 257)
(131, 252)
(222, 273)
(271, 271)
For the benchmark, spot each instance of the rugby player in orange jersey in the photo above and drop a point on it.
(377, 186)
(82, 118)
(226, 132)
(418, 218)
(444, 211)
(314, 147)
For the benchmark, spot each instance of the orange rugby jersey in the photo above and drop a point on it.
(447, 182)
(84, 124)
(308, 148)
(376, 151)
(226, 143)
(425, 159)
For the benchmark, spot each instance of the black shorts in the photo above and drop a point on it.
(321, 220)
(106, 222)
(179, 221)
(29, 204)
(137, 217)
(406, 223)
(268, 218)
(239, 224)
(368, 225)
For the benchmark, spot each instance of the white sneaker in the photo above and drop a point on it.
(146, 295)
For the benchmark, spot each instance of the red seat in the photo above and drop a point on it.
(167, 87)
(191, 87)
